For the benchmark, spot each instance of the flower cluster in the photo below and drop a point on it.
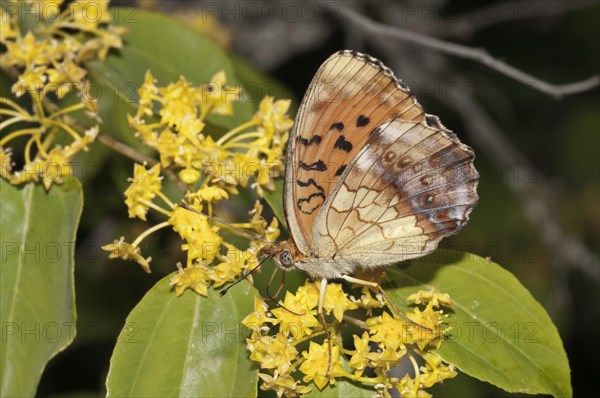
(46, 59)
(251, 151)
(210, 168)
(293, 348)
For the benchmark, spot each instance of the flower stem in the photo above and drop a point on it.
(149, 231)
(40, 146)
(68, 109)
(37, 102)
(236, 130)
(155, 207)
(165, 199)
(11, 113)
(68, 129)
(242, 137)
(27, 153)
(18, 133)
(417, 374)
(13, 104)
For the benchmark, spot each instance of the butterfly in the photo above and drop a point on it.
(370, 178)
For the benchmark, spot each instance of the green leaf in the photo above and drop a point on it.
(185, 346)
(275, 201)
(37, 297)
(169, 49)
(500, 333)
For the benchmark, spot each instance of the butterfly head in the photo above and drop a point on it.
(284, 254)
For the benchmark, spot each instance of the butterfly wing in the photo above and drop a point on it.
(410, 185)
(349, 96)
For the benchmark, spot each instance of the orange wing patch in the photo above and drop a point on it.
(350, 95)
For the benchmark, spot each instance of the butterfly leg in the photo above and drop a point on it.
(281, 285)
(273, 299)
(390, 303)
(322, 289)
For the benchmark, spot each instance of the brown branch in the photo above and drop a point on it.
(131, 153)
(509, 11)
(383, 31)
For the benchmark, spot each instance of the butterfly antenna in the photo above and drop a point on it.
(240, 231)
(223, 292)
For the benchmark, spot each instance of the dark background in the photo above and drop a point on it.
(556, 175)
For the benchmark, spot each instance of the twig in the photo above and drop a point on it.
(139, 157)
(509, 11)
(474, 54)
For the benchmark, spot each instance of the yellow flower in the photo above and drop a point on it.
(436, 298)
(387, 331)
(8, 29)
(174, 112)
(190, 127)
(272, 115)
(272, 352)
(337, 301)
(203, 243)
(397, 340)
(189, 175)
(5, 162)
(222, 171)
(297, 318)
(427, 327)
(195, 276)
(86, 15)
(434, 370)
(56, 167)
(308, 294)
(259, 317)
(121, 249)
(145, 132)
(359, 360)
(317, 362)
(216, 97)
(369, 302)
(272, 232)
(169, 147)
(108, 38)
(407, 388)
(385, 358)
(32, 80)
(26, 51)
(64, 76)
(144, 186)
(269, 232)
(184, 222)
(147, 93)
(231, 267)
(284, 385)
(211, 194)
(202, 239)
(82, 143)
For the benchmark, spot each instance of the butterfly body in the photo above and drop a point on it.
(370, 179)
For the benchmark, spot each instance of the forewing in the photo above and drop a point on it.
(350, 96)
(411, 185)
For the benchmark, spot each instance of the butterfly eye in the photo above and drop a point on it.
(285, 259)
